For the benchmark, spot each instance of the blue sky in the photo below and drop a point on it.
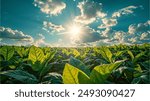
(64, 23)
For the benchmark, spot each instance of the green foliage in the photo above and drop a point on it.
(84, 65)
(80, 65)
(21, 76)
(138, 56)
(23, 52)
(52, 78)
(100, 73)
(135, 58)
(71, 74)
(46, 66)
(74, 75)
(38, 60)
(75, 53)
(7, 52)
(106, 54)
(131, 55)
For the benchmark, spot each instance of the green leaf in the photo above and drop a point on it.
(142, 79)
(45, 70)
(65, 51)
(46, 66)
(128, 73)
(100, 73)
(119, 53)
(106, 54)
(80, 65)
(22, 51)
(36, 54)
(20, 75)
(83, 79)
(71, 75)
(138, 56)
(136, 81)
(138, 68)
(131, 54)
(37, 66)
(36, 57)
(145, 79)
(3, 64)
(75, 53)
(52, 78)
(146, 64)
(7, 52)
(49, 57)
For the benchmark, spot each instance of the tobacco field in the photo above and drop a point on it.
(118, 64)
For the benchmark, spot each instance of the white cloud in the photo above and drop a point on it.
(113, 20)
(90, 35)
(84, 19)
(138, 33)
(13, 34)
(107, 32)
(89, 12)
(108, 23)
(14, 37)
(40, 41)
(124, 11)
(132, 29)
(138, 39)
(139, 28)
(50, 26)
(51, 7)
(145, 35)
(86, 35)
(119, 35)
(133, 40)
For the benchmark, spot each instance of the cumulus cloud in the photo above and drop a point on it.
(138, 33)
(113, 20)
(124, 11)
(108, 23)
(13, 34)
(139, 39)
(133, 39)
(119, 35)
(40, 41)
(50, 26)
(51, 7)
(139, 28)
(90, 35)
(107, 32)
(145, 35)
(9, 36)
(89, 12)
(111, 37)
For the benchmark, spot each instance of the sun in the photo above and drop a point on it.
(75, 29)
